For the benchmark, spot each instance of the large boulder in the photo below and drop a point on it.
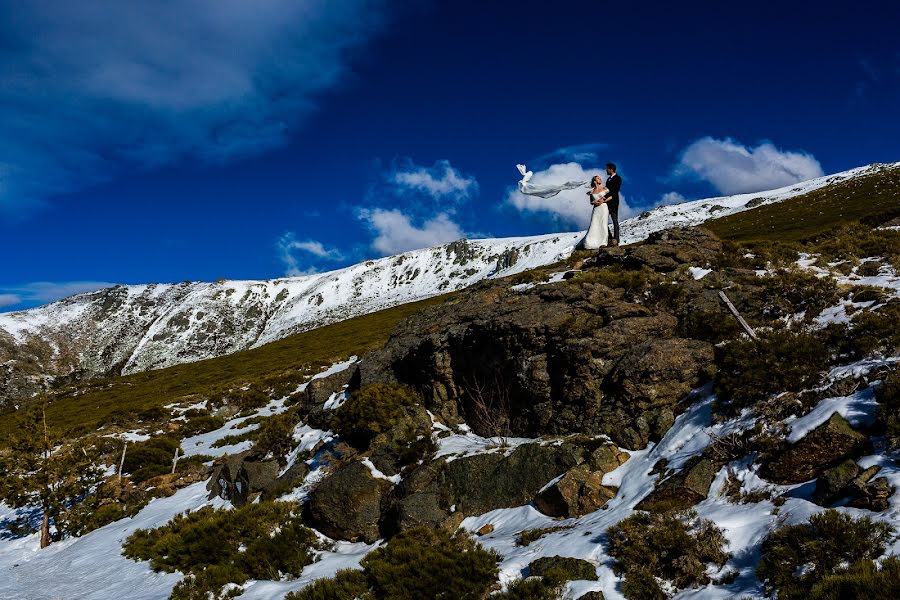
(824, 447)
(579, 492)
(683, 489)
(407, 441)
(668, 249)
(442, 493)
(347, 505)
(240, 478)
(831, 484)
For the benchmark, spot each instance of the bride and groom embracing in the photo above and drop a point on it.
(605, 200)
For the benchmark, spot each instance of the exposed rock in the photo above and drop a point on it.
(607, 458)
(682, 490)
(823, 448)
(579, 492)
(240, 477)
(347, 504)
(441, 493)
(485, 529)
(319, 390)
(874, 495)
(668, 249)
(290, 479)
(595, 595)
(576, 569)
(571, 357)
(405, 443)
(833, 481)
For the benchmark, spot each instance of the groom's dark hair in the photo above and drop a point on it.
(611, 166)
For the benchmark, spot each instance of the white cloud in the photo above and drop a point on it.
(42, 292)
(395, 231)
(288, 243)
(671, 198)
(733, 168)
(9, 299)
(438, 181)
(570, 207)
(89, 89)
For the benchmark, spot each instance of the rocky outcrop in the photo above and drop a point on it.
(821, 449)
(571, 357)
(684, 489)
(858, 486)
(667, 250)
(579, 492)
(240, 478)
(442, 492)
(347, 505)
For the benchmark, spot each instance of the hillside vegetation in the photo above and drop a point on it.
(85, 406)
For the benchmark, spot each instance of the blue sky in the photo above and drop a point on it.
(156, 142)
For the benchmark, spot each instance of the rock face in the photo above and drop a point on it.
(579, 492)
(441, 493)
(824, 447)
(573, 357)
(684, 489)
(347, 505)
(668, 249)
(242, 477)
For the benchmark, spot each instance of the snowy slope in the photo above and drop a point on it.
(134, 328)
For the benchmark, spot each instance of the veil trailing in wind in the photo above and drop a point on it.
(543, 191)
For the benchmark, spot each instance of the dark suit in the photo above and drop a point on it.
(614, 184)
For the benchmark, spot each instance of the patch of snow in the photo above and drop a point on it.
(858, 408)
(698, 273)
(395, 479)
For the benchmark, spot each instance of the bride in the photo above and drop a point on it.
(597, 235)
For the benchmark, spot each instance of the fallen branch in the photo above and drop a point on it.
(737, 315)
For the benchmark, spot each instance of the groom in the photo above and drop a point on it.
(614, 184)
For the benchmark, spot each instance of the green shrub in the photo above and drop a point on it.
(797, 557)
(418, 563)
(275, 435)
(675, 547)
(348, 584)
(791, 291)
(780, 361)
(201, 424)
(862, 580)
(546, 587)
(258, 541)
(371, 410)
(150, 458)
(875, 331)
(235, 438)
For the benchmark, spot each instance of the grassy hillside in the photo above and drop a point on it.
(88, 405)
(874, 196)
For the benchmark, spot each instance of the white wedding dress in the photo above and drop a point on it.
(597, 235)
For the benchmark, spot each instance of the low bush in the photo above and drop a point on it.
(201, 424)
(275, 435)
(371, 410)
(418, 563)
(675, 547)
(798, 557)
(150, 458)
(215, 547)
(863, 579)
(546, 587)
(780, 361)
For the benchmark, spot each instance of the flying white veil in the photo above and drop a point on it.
(544, 191)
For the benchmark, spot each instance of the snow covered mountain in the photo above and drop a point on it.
(126, 329)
